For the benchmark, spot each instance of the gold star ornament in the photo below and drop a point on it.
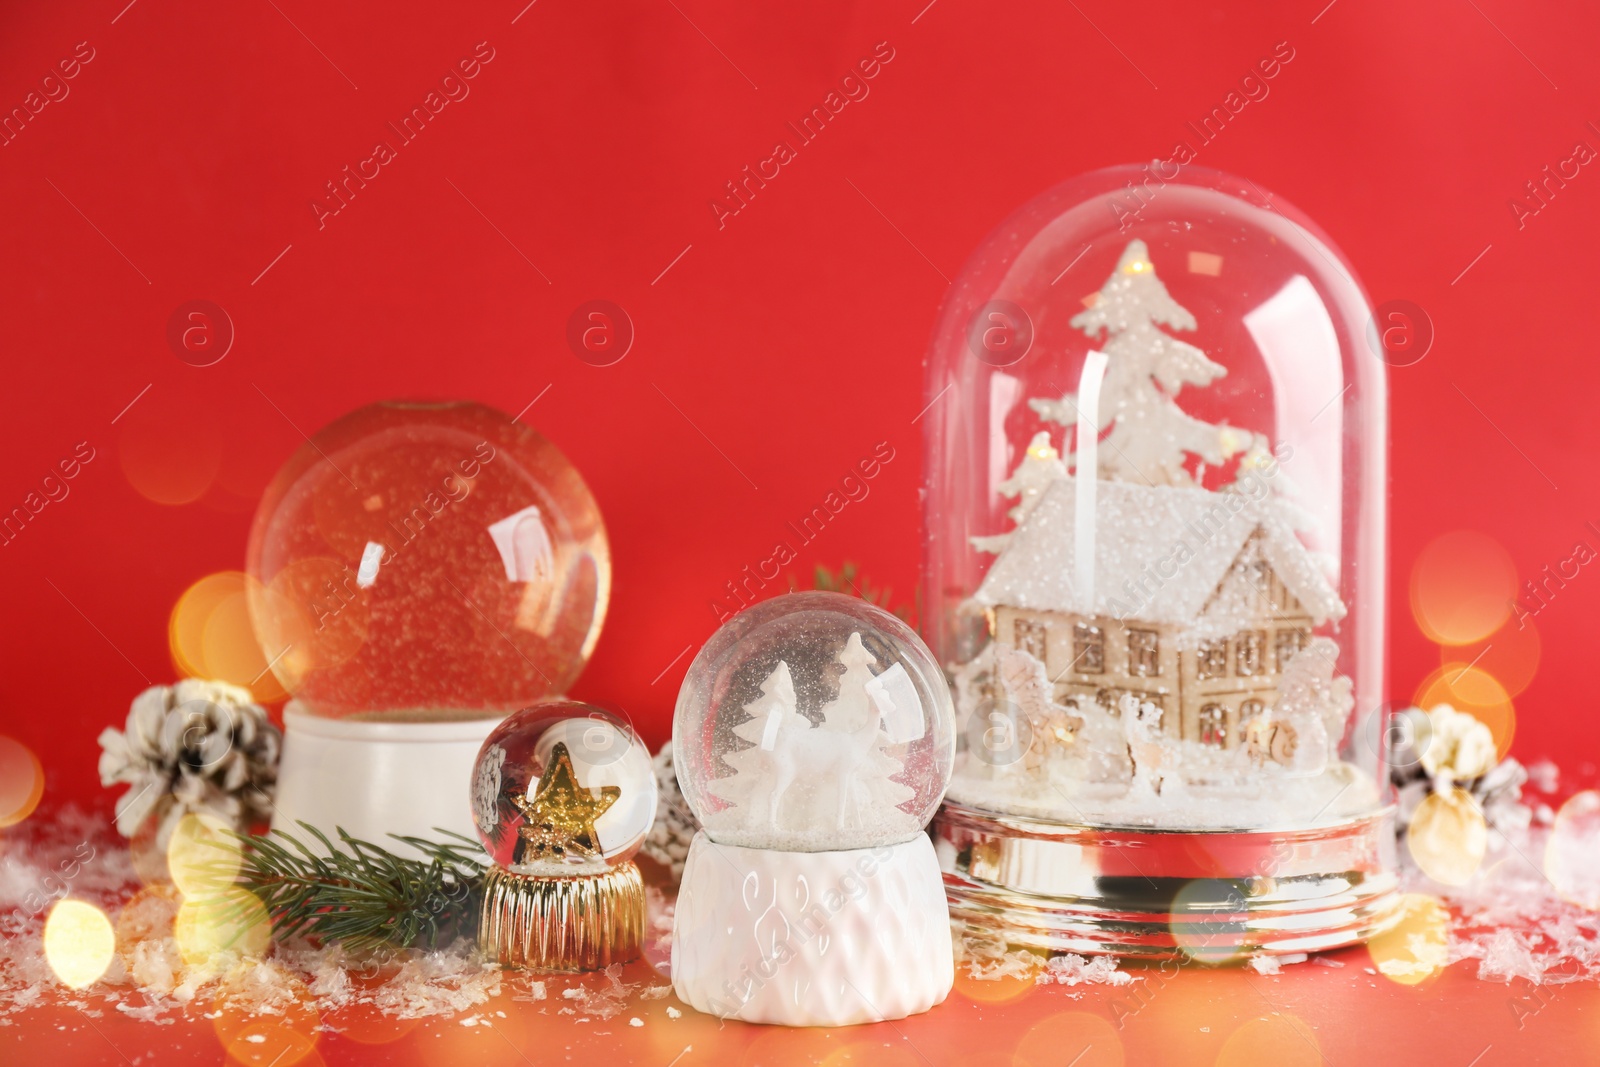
(559, 820)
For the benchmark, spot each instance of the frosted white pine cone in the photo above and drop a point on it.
(668, 840)
(204, 744)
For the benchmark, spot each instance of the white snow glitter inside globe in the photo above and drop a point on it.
(814, 722)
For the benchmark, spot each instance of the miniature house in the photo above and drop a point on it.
(1200, 600)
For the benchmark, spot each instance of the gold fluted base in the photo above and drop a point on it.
(574, 923)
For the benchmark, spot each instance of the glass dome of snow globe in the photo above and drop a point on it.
(1155, 528)
(427, 561)
(812, 722)
(813, 739)
(563, 788)
(421, 570)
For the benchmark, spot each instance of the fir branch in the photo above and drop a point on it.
(850, 581)
(362, 894)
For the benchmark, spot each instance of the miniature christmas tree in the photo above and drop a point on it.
(779, 781)
(1151, 438)
(1041, 467)
(856, 718)
(771, 714)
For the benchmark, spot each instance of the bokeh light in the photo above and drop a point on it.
(1511, 654)
(786, 1046)
(1280, 1039)
(879, 1053)
(210, 635)
(1416, 947)
(361, 1018)
(232, 920)
(997, 989)
(1209, 920)
(21, 781)
(169, 456)
(203, 856)
(1448, 836)
(1478, 693)
(1462, 587)
(1572, 852)
(79, 942)
(266, 1017)
(1075, 1037)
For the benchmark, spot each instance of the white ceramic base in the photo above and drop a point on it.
(377, 778)
(812, 938)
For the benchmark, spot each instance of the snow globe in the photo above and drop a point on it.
(1155, 572)
(563, 794)
(813, 739)
(422, 570)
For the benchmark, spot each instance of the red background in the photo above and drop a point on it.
(790, 341)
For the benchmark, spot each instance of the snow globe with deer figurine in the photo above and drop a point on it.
(1155, 460)
(813, 739)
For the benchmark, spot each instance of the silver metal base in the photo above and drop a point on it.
(1212, 895)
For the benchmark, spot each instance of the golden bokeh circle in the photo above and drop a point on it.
(166, 459)
(1209, 918)
(79, 942)
(210, 635)
(1462, 587)
(1511, 655)
(21, 781)
(203, 856)
(1572, 851)
(232, 920)
(266, 1017)
(1279, 1039)
(1448, 836)
(1475, 691)
(1076, 1037)
(1416, 947)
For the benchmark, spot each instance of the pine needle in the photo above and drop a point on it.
(362, 894)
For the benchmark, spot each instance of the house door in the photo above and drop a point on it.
(1213, 725)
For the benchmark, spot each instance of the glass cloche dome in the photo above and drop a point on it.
(427, 561)
(1155, 511)
(813, 722)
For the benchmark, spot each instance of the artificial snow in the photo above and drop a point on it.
(150, 981)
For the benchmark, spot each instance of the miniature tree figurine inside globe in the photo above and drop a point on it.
(563, 795)
(422, 570)
(813, 738)
(1155, 569)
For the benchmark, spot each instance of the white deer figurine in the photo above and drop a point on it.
(843, 747)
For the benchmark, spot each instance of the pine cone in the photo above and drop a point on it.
(203, 744)
(675, 826)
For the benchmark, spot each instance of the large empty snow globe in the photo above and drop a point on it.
(422, 570)
(1155, 571)
(813, 739)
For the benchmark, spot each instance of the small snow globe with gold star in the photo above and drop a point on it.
(563, 794)
(1155, 455)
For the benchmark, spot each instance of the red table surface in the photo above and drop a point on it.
(1309, 1014)
(774, 348)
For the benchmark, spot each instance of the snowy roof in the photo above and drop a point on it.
(1192, 535)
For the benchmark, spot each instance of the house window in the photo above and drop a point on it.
(1212, 660)
(1213, 725)
(1027, 635)
(1289, 642)
(1088, 649)
(1247, 653)
(1144, 654)
(1250, 709)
